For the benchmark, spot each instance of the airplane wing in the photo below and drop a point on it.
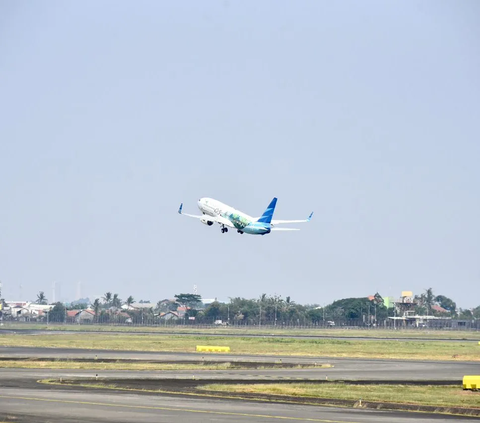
(279, 222)
(221, 221)
(218, 219)
(189, 215)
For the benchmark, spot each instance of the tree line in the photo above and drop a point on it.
(264, 310)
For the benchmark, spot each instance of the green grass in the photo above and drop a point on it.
(388, 349)
(252, 330)
(444, 396)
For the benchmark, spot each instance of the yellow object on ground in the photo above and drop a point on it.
(471, 382)
(204, 348)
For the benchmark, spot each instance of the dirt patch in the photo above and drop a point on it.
(27, 418)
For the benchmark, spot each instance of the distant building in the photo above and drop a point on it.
(170, 315)
(138, 306)
(25, 310)
(182, 310)
(208, 301)
(80, 316)
(405, 315)
(439, 309)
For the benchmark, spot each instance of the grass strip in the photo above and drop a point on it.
(236, 330)
(441, 396)
(140, 365)
(387, 349)
(70, 365)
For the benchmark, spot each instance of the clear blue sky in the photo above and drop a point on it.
(368, 113)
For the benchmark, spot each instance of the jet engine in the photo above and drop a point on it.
(205, 221)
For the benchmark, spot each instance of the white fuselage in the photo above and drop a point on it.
(212, 207)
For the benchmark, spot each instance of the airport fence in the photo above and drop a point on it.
(450, 324)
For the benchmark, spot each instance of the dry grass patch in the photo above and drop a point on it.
(69, 365)
(445, 396)
(376, 333)
(388, 349)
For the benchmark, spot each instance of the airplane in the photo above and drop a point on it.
(214, 211)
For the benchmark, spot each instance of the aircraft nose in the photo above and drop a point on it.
(200, 202)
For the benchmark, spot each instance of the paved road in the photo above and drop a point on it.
(343, 368)
(84, 406)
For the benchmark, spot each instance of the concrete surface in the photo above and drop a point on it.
(84, 406)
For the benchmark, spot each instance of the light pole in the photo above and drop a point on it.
(368, 325)
(276, 312)
(394, 316)
(260, 317)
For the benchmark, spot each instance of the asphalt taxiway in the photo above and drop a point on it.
(53, 406)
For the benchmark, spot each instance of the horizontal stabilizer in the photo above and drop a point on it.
(279, 222)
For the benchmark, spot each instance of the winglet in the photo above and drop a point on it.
(180, 208)
(310, 217)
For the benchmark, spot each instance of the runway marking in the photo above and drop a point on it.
(185, 410)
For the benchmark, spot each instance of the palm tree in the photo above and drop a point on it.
(116, 302)
(41, 299)
(96, 308)
(107, 298)
(429, 300)
(129, 301)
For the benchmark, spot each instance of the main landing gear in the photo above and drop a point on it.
(224, 229)
(239, 231)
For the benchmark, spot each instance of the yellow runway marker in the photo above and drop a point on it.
(185, 410)
(212, 348)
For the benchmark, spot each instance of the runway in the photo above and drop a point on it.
(37, 406)
(21, 396)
